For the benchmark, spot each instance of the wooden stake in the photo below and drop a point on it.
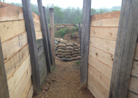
(29, 24)
(51, 12)
(85, 37)
(45, 37)
(125, 48)
(48, 34)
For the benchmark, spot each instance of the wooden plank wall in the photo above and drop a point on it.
(15, 50)
(133, 86)
(103, 33)
(42, 62)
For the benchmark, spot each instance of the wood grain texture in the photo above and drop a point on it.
(13, 13)
(38, 35)
(16, 60)
(104, 57)
(85, 38)
(16, 27)
(4, 92)
(98, 87)
(99, 76)
(12, 46)
(26, 89)
(125, 48)
(102, 67)
(103, 44)
(20, 88)
(30, 94)
(136, 52)
(52, 32)
(104, 32)
(49, 38)
(29, 25)
(45, 37)
(16, 77)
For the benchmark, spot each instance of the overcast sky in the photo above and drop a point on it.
(77, 3)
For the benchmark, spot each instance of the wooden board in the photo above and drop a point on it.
(110, 15)
(30, 94)
(11, 29)
(102, 67)
(104, 57)
(16, 77)
(14, 62)
(113, 22)
(26, 90)
(135, 69)
(98, 87)
(136, 52)
(38, 35)
(13, 45)
(24, 80)
(37, 26)
(132, 95)
(133, 86)
(99, 77)
(104, 32)
(12, 12)
(40, 50)
(103, 44)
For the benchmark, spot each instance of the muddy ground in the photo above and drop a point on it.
(64, 82)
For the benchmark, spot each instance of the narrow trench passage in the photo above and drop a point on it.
(64, 82)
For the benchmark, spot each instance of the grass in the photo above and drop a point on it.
(78, 62)
(62, 32)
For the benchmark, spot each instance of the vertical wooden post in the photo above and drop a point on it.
(79, 32)
(29, 24)
(125, 48)
(51, 12)
(4, 92)
(85, 37)
(45, 37)
(48, 35)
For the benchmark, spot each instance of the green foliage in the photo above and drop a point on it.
(78, 62)
(62, 32)
(75, 29)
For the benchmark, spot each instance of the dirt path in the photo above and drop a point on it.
(64, 82)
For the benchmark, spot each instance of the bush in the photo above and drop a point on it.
(62, 32)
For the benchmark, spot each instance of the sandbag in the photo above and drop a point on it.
(57, 39)
(75, 44)
(74, 52)
(69, 44)
(66, 59)
(74, 55)
(60, 50)
(61, 45)
(60, 56)
(76, 49)
(78, 57)
(67, 56)
(66, 53)
(69, 48)
(73, 58)
(64, 41)
(59, 53)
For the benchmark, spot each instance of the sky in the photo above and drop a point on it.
(77, 3)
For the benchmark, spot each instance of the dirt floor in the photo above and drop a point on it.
(64, 82)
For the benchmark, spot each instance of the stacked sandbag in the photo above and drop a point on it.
(67, 51)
